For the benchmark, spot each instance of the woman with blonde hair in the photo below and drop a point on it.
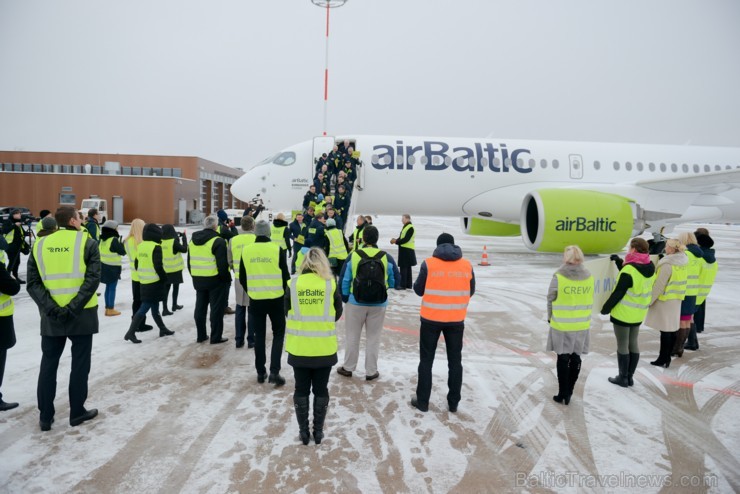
(313, 305)
(570, 300)
(668, 294)
(688, 306)
(131, 243)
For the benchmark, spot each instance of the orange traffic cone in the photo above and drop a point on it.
(484, 258)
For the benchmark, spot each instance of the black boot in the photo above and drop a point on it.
(165, 311)
(163, 331)
(692, 343)
(683, 333)
(623, 360)
(301, 414)
(320, 406)
(575, 370)
(634, 358)
(144, 326)
(131, 333)
(562, 366)
(667, 340)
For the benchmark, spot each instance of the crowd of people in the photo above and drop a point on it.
(669, 297)
(330, 275)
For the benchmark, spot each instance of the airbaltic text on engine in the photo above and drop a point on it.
(581, 224)
(462, 159)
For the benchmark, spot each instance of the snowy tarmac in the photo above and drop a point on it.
(177, 416)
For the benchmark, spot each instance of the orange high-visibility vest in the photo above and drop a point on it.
(447, 290)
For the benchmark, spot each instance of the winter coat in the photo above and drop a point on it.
(445, 252)
(92, 228)
(267, 304)
(286, 233)
(310, 197)
(295, 230)
(664, 315)
(406, 257)
(8, 286)
(624, 282)
(73, 319)
(168, 232)
(241, 296)
(318, 238)
(16, 245)
(111, 274)
(218, 249)
(157, 291)
(393, 279)
(561, 342)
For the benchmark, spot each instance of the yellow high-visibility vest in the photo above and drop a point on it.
(695, 263)
(131, 251)
(410, 244)
(337, 249)
(676, 287)
(147, 273)
(277, 236)
(202, 260)
(571, 310)
(264, 276)
(171, 260)
(310, 327)
(106, 255)
(236, 244)
(706, 280)
(634, 305)
(60, 260)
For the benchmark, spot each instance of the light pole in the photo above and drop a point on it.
(328, 5)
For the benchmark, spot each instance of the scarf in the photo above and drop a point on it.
(637, 258)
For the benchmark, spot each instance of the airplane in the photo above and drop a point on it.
(552, 193)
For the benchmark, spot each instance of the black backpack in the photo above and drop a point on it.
(369, 283)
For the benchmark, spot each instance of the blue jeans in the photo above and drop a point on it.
(110, 294)
(146, 305)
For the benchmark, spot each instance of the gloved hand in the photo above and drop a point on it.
(604, 312)
(61, 314)
(615, 257)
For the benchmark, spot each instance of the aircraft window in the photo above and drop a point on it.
(685, 168)
(411, 160)
(616, 165)
(597, 165)
(639, 166)
(375, 159)
(728, 167)
(520, 163)
(399, 161)
(437, 160)
(651, 165)
(497, 162)
(387, 159)
(543, 163)
(696, 168)
(268, 159)
(424, 160)
(717, 168)
(286, 158)
(555, 164)
(448, 160)
(532, 164)
(507, 162)
(674, 167)
(707, 168)
(662, 167)
(484, 162)
(628, 166)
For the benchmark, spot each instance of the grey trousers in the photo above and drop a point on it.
(355, 317)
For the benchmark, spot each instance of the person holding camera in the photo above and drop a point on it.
(15, 237)
(174, 244)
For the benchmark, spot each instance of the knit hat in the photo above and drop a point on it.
(44, 213)
(704, 241)
(330, 222)
(445, 238)
(321, 197)
(262, 229)
(48, 223)
(112, 224)
(222, 215)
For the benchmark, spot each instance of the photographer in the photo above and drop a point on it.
(14, 235)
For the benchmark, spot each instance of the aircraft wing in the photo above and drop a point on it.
(703, 183)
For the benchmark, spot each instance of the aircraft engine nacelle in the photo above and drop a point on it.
(482, 226)
(597, 222)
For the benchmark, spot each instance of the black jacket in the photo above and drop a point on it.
(168, 232)
(263, 305)
(295, 231)
(316, 237)
(624, 282)
(222, 262)
(309, 198)
(406, 257)
(321, 361)
(15, 246)
(8, 286)
(157, 291)
(446, 252)
(286, 233)
(73, 319)
(111, 274)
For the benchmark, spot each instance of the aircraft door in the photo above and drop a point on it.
(321, 145)
(576, 166)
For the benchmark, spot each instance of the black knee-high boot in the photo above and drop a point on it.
(563, 368)
(320, 406)
(136, 321)
(165, 311)
(667, 340)
(574, 370)
(301, 414)
(623, 360)
(163, 331)
(175, 293)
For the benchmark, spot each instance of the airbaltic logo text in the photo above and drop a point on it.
(437, 155)
(581, 224)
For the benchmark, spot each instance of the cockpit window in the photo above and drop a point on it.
(285, 158)
(268, 159)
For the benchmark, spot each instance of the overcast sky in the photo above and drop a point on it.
(234, 81)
